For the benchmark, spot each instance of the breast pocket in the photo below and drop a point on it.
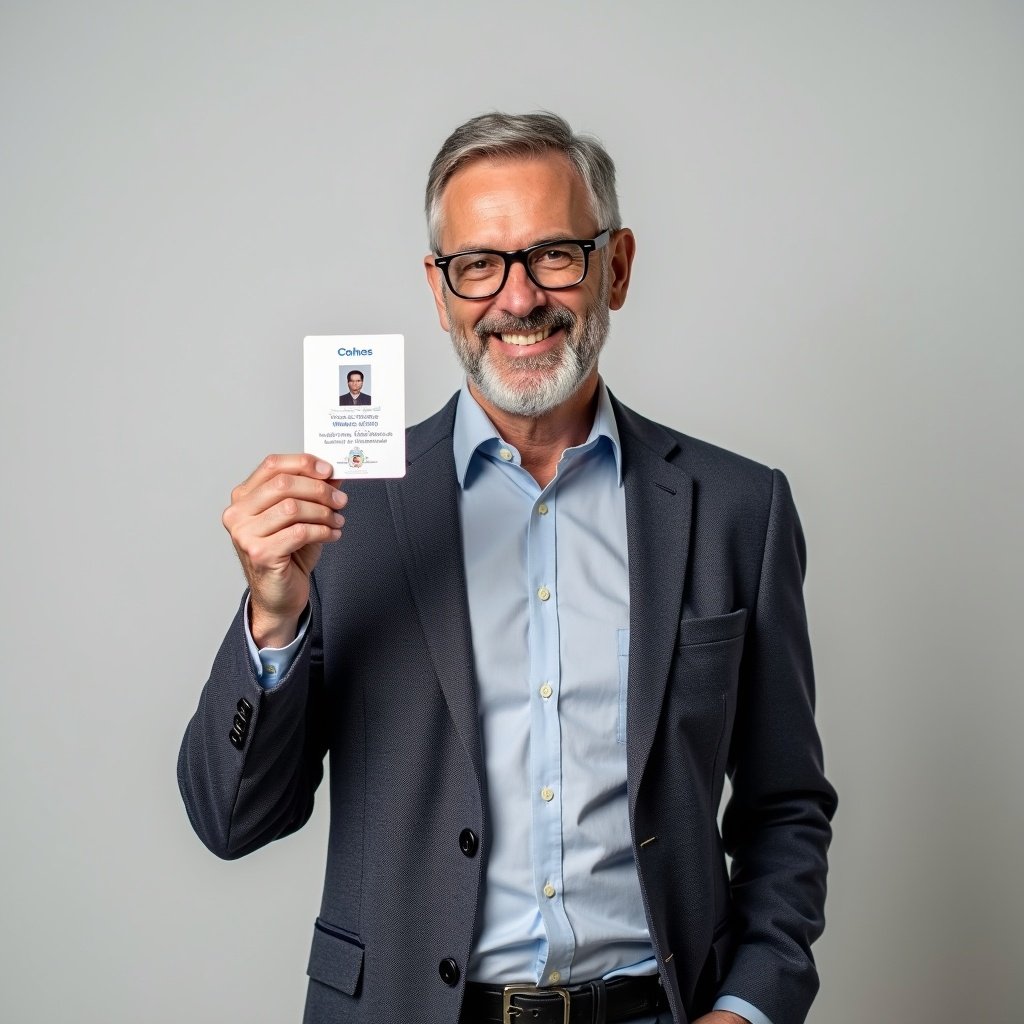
(708, 652)
(713, 629)
(702, 696)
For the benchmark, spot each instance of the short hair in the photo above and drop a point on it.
(354, 373)
(504, 136)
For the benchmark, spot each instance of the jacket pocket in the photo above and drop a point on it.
(713, 629)
(336, 958)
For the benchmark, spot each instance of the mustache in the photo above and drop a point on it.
(557, 317)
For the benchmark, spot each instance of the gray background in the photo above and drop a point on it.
(827, 199)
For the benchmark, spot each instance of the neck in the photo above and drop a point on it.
(542, 439)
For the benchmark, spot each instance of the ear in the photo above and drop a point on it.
(621, 250)
(436, 281)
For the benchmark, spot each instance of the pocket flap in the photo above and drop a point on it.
(713, 628)
(336, 958)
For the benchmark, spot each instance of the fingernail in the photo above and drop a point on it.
(338, 497)
(323, 467)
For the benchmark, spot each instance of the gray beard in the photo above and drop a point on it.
(537, 384)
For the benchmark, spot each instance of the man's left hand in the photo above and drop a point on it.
(721, 1017)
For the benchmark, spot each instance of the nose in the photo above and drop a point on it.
(520, 296)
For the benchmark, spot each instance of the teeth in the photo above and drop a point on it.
(526, 339)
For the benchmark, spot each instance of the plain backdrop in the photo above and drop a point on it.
(830, 279)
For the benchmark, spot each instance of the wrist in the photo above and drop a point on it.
(269, 630)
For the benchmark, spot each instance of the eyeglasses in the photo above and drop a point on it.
(481, 273)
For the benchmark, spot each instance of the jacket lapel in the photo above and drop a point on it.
(424, 505)
(658, 508)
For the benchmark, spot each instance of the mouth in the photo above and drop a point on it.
(526, 340)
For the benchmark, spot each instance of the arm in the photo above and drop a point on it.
(776, 825)
(252, 758)
(242, 793)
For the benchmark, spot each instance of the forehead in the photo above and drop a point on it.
(513, 202)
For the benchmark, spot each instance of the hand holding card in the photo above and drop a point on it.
(279, 519)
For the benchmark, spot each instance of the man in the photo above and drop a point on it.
(571, 625)
(354, 395)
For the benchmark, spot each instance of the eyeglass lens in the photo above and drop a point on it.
(479, 274)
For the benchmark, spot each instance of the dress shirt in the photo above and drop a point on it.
(547, 582)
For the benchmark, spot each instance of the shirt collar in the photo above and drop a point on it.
(473, 428)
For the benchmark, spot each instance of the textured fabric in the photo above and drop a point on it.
(719, 681)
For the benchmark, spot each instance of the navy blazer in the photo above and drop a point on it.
(720, 682)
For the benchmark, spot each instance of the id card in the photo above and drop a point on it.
(354, 403)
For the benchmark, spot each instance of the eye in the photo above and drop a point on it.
(554, 256)
(476, 265)
(557, 256)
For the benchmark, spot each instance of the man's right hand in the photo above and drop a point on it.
(279, 519)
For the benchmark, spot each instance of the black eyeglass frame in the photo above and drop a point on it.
(588, 245)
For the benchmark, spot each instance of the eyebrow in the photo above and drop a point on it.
(561, 236)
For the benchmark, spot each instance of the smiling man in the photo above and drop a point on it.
(571, 625)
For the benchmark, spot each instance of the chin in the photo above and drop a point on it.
(531, 394)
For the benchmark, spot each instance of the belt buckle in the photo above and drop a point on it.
(510, 1012)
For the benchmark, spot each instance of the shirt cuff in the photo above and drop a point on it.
(742, 1007)
(272, 663)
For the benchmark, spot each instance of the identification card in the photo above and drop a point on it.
(354, 403)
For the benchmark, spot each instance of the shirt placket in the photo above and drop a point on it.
(555, 960)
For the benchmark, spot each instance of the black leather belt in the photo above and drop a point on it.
(593, 1002)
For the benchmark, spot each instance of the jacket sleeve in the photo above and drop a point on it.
(776, 825)
(251, 759)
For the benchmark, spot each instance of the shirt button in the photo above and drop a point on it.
(555, 977)
(505, 454)
(542, 509)
(543, 593)
(549, 890)
(546, 691)
(547, 794)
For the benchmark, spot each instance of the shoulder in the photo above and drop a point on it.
(713, 469)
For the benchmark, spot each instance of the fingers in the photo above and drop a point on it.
(284, 487)
(274, 549)
(261, 492)
(274, 465)
(291, 511)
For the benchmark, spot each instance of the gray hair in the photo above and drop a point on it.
(498, 135)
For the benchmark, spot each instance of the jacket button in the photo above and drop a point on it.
(468, 842)
(449, 971)
(244, 709)
(237, 739)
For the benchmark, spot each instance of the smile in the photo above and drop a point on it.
(526, 339)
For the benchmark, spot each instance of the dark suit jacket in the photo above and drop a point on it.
(361, 399)
(720, 682)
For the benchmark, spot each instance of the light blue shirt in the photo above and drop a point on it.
(547, 582)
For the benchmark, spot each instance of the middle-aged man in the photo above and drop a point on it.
(354, 395)
(570, 625)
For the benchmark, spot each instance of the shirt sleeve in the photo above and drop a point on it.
(742, 1007)
(271, 663)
